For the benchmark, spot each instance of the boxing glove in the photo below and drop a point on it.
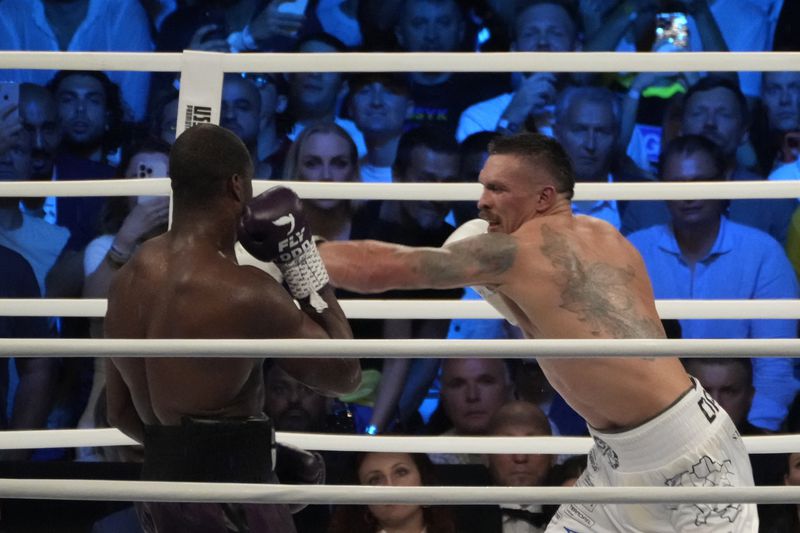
(470, 228)
(273, 228)
(296, 466)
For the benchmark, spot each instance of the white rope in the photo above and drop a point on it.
(402, 348)
(114, 490)
(418, 191)
(86, 438)
(416, 62)
(437, 309)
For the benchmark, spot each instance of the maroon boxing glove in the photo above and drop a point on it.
(273, 228)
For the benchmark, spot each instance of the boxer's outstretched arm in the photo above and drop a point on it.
(375, 266)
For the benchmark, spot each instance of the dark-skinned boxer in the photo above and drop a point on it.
(200, 419)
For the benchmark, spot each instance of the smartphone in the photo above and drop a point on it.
(9, 95)
(297, 7)
(672, 32)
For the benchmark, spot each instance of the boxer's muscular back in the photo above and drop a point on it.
(577, 277)
(194, 293)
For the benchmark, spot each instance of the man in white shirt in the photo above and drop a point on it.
(540, 26)
(79, 25)
(379, 105)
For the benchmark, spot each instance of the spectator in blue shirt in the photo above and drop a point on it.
(702, 254)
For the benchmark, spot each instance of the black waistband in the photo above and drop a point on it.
(210, 449)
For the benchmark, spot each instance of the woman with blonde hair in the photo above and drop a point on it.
(325, 152)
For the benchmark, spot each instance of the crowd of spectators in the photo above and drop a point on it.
(405, 128)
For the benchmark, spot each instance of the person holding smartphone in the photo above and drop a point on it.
(540, 26)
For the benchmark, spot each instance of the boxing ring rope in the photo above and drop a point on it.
(69, 438)
(402, 62)
(103, 490)
(402, 348)
(435, 309)
(411, 62)
(419, 191)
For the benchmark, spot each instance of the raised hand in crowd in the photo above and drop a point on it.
(533, 95)
(271, 22)
(209, 38)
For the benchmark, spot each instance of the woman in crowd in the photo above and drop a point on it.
(394, 470)
(325, 152)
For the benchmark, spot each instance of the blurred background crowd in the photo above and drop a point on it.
(412, 127)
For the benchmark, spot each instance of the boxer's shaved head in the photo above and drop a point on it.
(203, 158)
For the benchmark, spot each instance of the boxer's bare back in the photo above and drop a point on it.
(563, 276)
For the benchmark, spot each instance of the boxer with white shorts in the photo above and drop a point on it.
(558, 275)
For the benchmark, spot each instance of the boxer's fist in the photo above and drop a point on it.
(295, 466)
(477, 227)
(273, 228)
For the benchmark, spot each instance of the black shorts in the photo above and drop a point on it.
(213, 450)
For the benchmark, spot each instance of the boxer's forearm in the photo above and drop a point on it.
(371, 266)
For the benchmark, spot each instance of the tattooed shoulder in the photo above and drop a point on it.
(475, 260)
(599, 293)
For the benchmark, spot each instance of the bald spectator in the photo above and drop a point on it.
(472, 390)
(520, 419)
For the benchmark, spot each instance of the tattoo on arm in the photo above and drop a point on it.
(599, 293)
(476, 261)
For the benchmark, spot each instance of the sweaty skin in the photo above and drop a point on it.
(187, 284)
(563, 276)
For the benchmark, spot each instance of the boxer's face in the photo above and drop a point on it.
(509, 197)
(472, 390)
(392, 470)
(793, 476)
(519, 470)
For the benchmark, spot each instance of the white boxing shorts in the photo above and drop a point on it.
(693, 443)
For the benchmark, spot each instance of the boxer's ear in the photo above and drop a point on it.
(237, 187)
